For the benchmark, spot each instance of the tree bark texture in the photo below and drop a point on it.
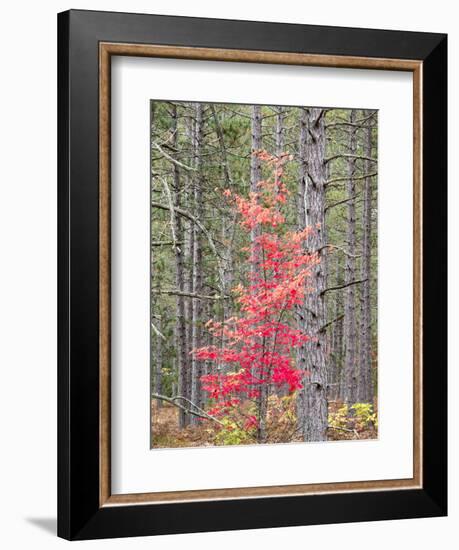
(180, 332)
(312, 399)
(202, 254)
(350, 326)
(189, 235)
(197, 306)
(336, 354)
(255, 170)
(365, 386)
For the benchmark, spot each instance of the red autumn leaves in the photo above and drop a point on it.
(257, 347)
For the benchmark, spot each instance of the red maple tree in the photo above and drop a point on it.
(258, 345)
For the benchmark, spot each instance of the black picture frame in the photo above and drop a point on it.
(80, 515)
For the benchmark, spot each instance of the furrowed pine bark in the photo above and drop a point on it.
(227, 226)
(337, 337)
(350, 326)
(365, 389)
(189, 232)
(255, 169)
(180, 327)
(156, 341)
(325, 261)
(200, 256)
(312, 399)
(197, 306)
(255, 165)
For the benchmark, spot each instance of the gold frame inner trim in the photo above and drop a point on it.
(108, 49)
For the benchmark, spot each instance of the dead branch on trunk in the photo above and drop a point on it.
(174, 292)
(197, 411)
(349, 156)
(339, 287)
(172, 214)
(165, 243)
(171, 159)
(158, 332)
(322, 329)
(363, 177)
(192, 218)
(344, 430)
(337, 203)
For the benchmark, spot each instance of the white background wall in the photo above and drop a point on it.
(28, 270)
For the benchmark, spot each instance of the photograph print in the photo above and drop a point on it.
(263, 251)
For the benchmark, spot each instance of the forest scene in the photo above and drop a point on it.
(263, 274)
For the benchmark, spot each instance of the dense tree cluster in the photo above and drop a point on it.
(248, 203)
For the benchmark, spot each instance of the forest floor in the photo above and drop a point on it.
(167, 434)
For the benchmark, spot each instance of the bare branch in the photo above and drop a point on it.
(174, 292)
(349, 156)
(363, 177)
(157, 332)
(344, 430)
(321, 114)
(343, 286)
(171, 159)
(344, 201)
(186, 409)
(340, 124)
(358, 123)
(343, 250)
(195, 220)
(165, 243)
(172, 214)
(322, 329)
(364, 119)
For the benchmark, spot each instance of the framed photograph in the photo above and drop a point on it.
(252, 275)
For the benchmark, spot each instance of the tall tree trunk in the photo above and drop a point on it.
(180, 332)
(280, 131)
(365, 389)
(208, 340)
(312, 399)
(255, 177)
(156, 348)
(255, 167)
(350, 327)
(189, 234)
(337, 336)
(279, 139)
(279, 150)
(197, 306)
